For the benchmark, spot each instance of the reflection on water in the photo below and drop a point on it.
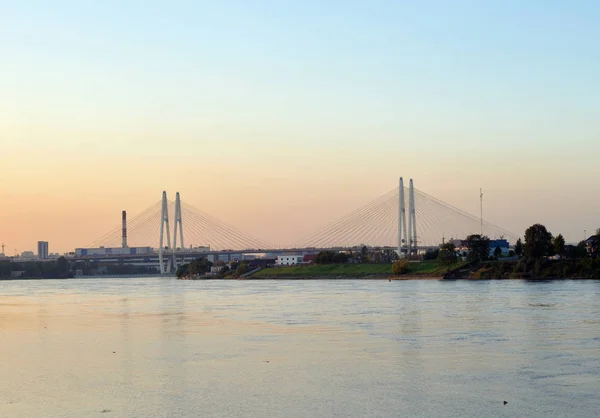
(161, 347)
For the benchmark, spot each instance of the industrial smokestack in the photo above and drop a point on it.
(124, 229)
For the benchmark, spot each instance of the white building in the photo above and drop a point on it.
(216, 269)
(288, 260)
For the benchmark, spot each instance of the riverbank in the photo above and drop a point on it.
(429, 269)
(523, 269)
(531, 269)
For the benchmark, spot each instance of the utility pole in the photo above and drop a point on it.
(3, 247)
(481, 209)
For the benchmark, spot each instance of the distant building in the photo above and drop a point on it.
(592, 244)
(261, 262)
(107, 251)
(309, 258)
(42, 250)
(199, 249)
(216, 269)
(462, 246)
(27, 256)
(499, 243)
(289, 260)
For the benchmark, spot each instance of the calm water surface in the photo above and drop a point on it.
(168, 348)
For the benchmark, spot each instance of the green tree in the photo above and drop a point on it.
(580, 250)
(538, 241)
(340, 258)
(199, 266)
(5, 269)
(479, 247)
(182, 270)
(389, 256)
(559, 245)
(324, 257)
(447, 255)
(62, 268)
(242, 268)
(400, 266)
(519, 247)
(431, 254)
(364, 254)
(498, 252)
(33, 271)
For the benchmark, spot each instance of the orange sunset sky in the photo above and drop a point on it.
(279, 125)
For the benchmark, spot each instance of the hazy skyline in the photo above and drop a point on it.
(278, 117)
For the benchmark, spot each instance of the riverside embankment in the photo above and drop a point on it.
(416, 270)
(525, 269)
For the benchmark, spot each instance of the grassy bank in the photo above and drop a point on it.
(424, 268)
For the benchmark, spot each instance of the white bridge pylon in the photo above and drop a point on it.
(407, 238)
(164, 224)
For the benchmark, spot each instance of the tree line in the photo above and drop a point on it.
(539, 254)
(56, 269)
(363, 256)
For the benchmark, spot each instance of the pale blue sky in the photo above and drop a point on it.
(457, 94)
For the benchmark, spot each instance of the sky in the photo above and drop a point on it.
(281, 116)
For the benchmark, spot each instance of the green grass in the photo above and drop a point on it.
(426, 267)
(351, 270)
(326, 270)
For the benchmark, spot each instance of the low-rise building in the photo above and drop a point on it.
(288, 260)
(107, 251)
(27, 256)
(309, 258)
(592, 245)
(261, 262)
(499, 243)
(216, 269)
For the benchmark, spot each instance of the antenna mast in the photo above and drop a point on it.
(481, 209)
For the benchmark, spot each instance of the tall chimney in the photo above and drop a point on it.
(124, 229)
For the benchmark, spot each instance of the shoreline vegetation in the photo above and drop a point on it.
(521, 269)
(490, 270)
(416, 270)
(539, 256)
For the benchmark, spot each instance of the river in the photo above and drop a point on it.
(358, 348)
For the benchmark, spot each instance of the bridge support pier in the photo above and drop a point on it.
(402, 231)
(412, 219)
(407, 238)
(164, 223)
(178, 222)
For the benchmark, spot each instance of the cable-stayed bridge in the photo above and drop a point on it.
(199, 229)
(375, 224)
